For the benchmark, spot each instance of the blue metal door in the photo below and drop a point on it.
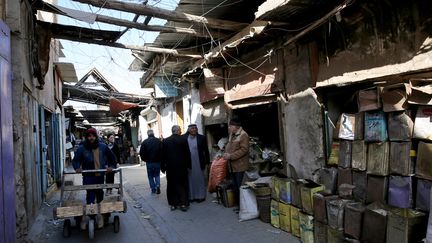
(44, 148)
(7, 186)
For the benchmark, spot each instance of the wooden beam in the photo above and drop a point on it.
(104, 38)
(130, 47)
(131, 24)
(164, 14)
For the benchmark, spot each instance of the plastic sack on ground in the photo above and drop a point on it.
(218, 173)
(248, 204)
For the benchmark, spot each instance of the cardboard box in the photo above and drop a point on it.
(334, 154)
(284, 217)
(359, 155)
(395, 97)
(345, 153)
(400, 161)
(307, 191)
(274, 213)
(377, 188)
(306, 228)
(353, 219)
(424, 165)
(378, 159)
(295, 223)
(328, 178)
(375, 127)
(423, 195)
(406, 225)
(285, 190)
(400, 126)
(369, 99)
(400, 193)
(423, 123)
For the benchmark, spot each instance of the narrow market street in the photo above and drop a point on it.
(149, 219)
(215, 121)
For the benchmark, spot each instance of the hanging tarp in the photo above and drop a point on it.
(117, 106)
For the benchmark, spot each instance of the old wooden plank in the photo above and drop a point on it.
(164, 14)
(91, 187)
(110, 207)
(133, 24)
(68, 212)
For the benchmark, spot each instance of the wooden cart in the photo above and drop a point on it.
(76, 209)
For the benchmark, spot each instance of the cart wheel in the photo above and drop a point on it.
(67, 228)
(91, 228)
(116, 224)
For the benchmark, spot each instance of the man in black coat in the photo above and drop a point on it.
(175, 162)
(150, 152)
(200, 158)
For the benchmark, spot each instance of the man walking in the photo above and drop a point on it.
(150, 152)
(237, 154)
(200, 158)
(176, 162)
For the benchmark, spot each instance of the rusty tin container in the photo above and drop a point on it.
(400, 161)
(328, 178)
(307, 190)
(377, 187)
(423, 165)
(335, 213)
(345, 152)
(406, 225)
(359, 155)
(375, 223)
(320, 205)
(360, 182)
(400, 191)
(423, 195)
(378, 159)
(320, 232)
(353, 219)
(344, 176)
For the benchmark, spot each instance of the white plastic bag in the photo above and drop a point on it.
(248, 204)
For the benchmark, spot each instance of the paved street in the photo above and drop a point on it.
(149, 219)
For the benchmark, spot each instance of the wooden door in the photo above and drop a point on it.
(179, 115)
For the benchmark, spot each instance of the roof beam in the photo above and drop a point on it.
(164, 14)
(73, 33)
(46, 7)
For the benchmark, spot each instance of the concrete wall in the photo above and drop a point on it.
(380, 38)
(303, 133)
(168, 119)
(26, 101)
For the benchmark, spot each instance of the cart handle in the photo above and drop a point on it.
(90, 171)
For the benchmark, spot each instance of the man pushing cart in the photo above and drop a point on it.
(93, 160)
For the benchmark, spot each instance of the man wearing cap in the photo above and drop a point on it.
(93, 154)
(237, 154)
(200, 158)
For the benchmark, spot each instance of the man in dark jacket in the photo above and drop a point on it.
(93, 154)
(150, 152)
(200, 158)
(176, 162)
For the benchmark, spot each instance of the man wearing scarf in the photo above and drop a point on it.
(92, 155)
